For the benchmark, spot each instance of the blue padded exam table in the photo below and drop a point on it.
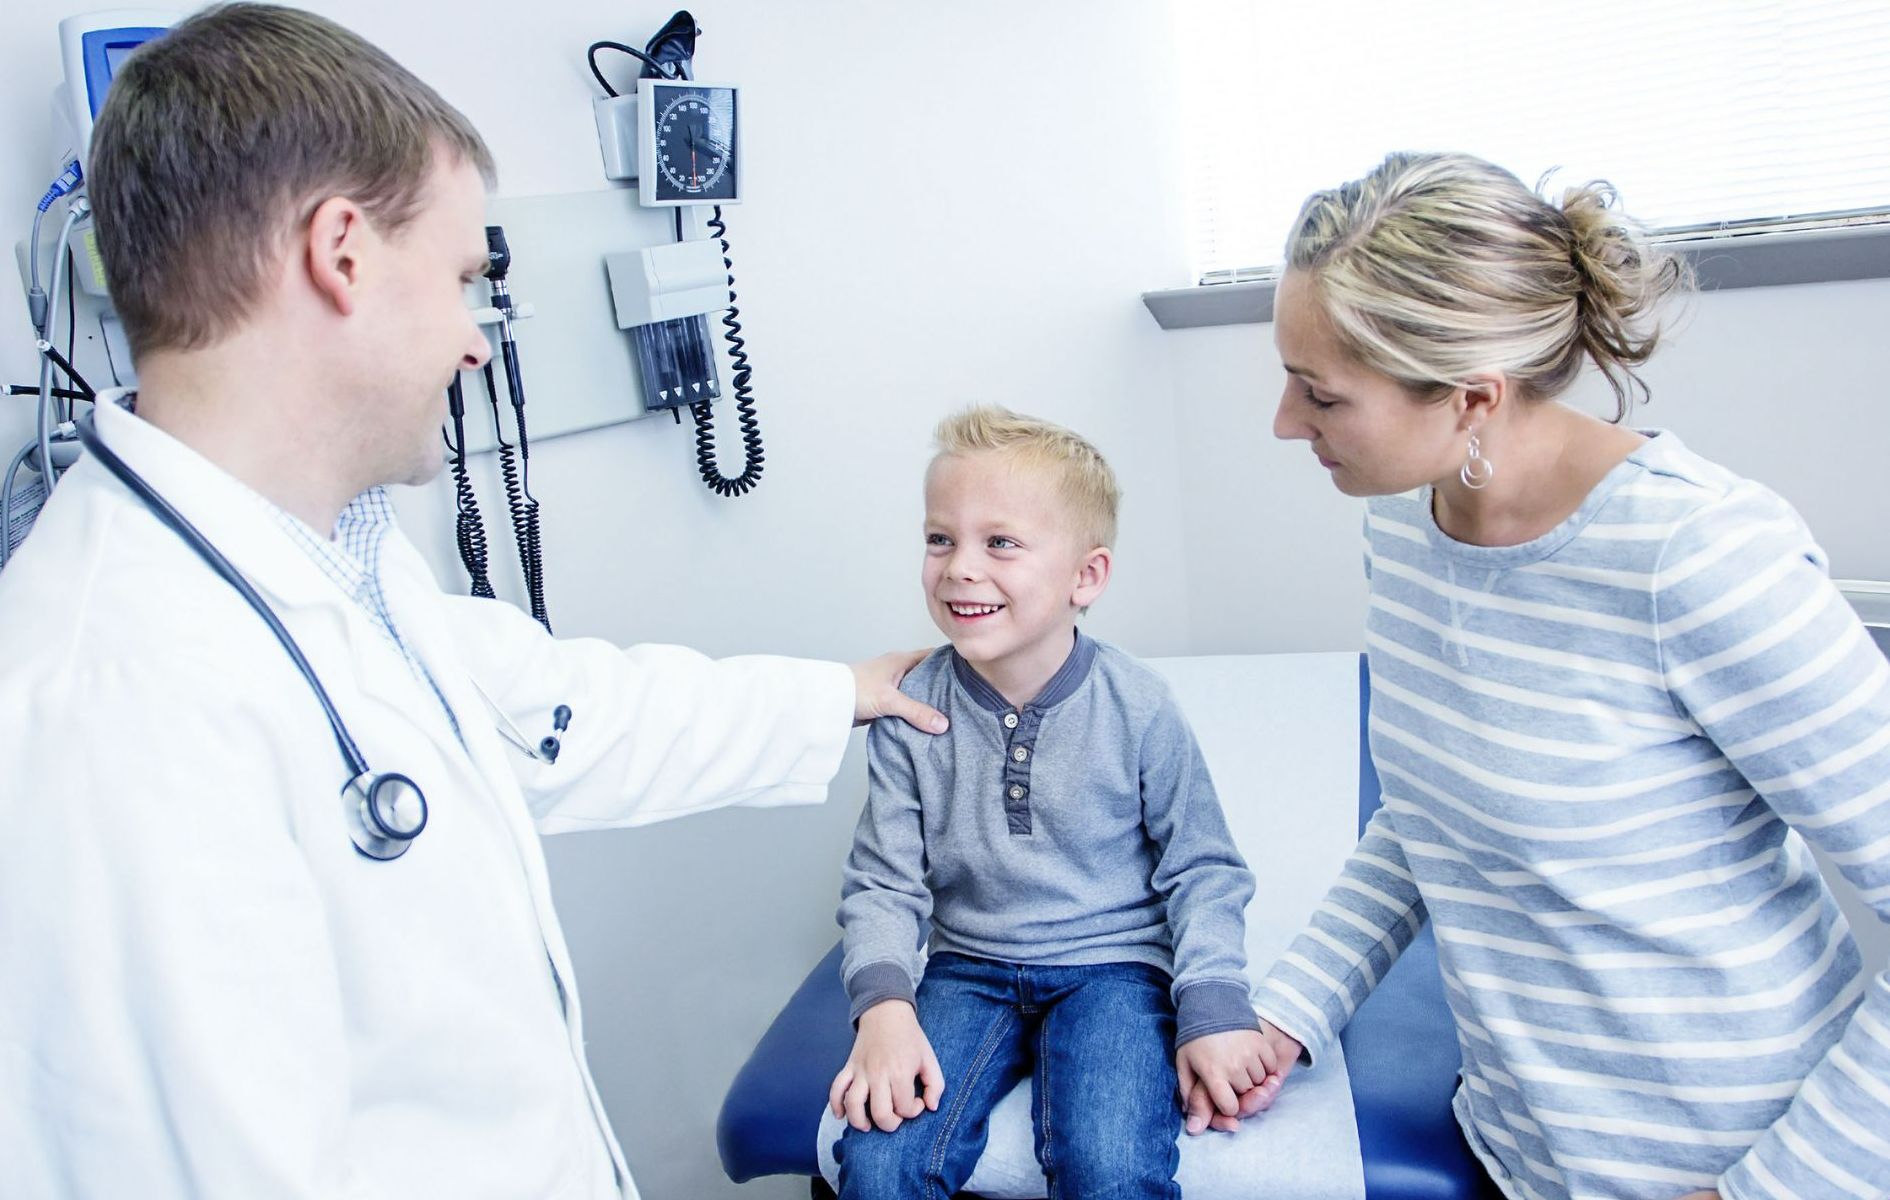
(1400, 1052)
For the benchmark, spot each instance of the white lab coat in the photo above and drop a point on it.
(204, 990)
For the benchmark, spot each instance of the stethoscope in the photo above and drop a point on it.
(385, 811)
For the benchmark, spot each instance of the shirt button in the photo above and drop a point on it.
(1017, 791)
(1020, 754)
(1010, 720)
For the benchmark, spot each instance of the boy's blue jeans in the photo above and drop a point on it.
(1099, 1042)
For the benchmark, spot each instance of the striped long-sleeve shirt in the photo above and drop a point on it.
(1602, 754)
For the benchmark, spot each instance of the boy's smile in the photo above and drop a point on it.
(968, 613)
(1005, 576)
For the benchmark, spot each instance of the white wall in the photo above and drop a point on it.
(939, 214)
(946, 206)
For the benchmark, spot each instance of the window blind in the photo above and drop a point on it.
(1720, 116)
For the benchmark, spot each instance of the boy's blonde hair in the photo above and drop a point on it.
(1082, 476)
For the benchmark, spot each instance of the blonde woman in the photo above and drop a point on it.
(1613, 696)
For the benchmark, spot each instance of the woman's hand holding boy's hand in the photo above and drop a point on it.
(1278, 1054)
(890, 1053)
(1216, 1073)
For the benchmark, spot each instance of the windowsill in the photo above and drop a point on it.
(1761, 260)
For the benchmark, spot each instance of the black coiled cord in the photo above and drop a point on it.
(533, 547)
(712, 475)
(523, 508)
(468, 526)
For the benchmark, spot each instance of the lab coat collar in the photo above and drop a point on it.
(234, 518)
(248, 529)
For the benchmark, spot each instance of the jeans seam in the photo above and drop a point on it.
(935, 1161)
(1043, 1105)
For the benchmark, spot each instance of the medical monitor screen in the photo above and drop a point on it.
(104, 52)
(115, 55)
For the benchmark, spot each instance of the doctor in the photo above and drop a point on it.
(225, 970)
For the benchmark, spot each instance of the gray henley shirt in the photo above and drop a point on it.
(1082, 828)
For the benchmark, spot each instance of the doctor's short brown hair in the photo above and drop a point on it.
(220, 138)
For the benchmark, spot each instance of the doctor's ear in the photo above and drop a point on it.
(331, 244)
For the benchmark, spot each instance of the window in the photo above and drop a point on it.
(1720, 116)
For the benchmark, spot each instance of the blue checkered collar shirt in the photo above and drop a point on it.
(352, 559)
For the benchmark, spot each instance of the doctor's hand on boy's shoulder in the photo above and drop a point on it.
(876, 692)
(890, 1055)
(1267, 1056)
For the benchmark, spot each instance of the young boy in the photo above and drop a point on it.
(1065, 847)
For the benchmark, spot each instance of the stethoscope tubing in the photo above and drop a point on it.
(194, 538)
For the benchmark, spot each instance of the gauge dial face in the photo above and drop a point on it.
(695, 144)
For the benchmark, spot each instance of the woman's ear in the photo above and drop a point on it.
(1483, 397)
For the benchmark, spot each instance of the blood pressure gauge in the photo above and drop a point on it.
(688, 150)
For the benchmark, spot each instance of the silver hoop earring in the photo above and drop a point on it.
(1477, 471)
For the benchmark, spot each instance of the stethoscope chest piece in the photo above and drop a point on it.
(385, 813)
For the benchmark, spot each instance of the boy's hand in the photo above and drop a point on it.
(1226, 1077)
(876, 1085)
(876, 692)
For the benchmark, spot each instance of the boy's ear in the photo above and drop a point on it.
(1092, 576)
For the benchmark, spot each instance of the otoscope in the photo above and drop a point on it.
(516, 472)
